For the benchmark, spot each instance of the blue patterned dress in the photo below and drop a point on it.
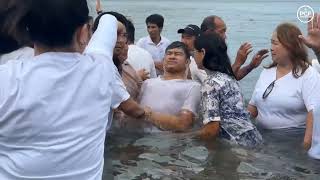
(222, 101)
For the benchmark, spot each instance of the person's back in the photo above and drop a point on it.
(49, 120)
(54, 107)
(22, 53)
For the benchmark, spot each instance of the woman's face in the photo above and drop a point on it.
(198, 57)
(121, 41)
(279, 53)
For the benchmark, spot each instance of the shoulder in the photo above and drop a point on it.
(142, 40)
(165, 40)
(311, 73)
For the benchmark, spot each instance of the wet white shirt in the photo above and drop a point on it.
(314, 151)
(139, 59)
(156, 50)
(316, 65)
(22, 53)
(196, 73)
(170, 96)
(54, 111)
(290, 100)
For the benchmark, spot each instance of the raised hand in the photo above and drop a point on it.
(313, 38)
(98, 7)
(259, 57)
(243, 52)
(143, 74)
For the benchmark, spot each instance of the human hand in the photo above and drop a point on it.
(258, 57)
(243, 52)
(98, 7)
(313, 38)
(143, 74)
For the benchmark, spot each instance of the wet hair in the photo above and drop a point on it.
(216, 57)
(13, 34)
(179, 45)
(121, 18)
(131, 31)
(53, 22)
(287, 35)
(208, 23)
(155, 19)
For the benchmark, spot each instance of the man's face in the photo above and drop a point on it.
(153, 30)
(175, 60)
(188, 40)
(221, 28)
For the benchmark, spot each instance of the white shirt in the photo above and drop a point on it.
(316, 65)
(170, 96)
(290, 100)
(22, 53)
(314, 151)
(156, 50)
(54, 111)
(196, 73)
(139, 59)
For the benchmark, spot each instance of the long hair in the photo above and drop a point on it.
(216, 57)
(287, 35)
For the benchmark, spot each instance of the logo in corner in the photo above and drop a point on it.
(305, 14)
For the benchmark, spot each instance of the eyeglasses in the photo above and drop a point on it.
(268, 90)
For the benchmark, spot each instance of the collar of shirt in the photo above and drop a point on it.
(149, 41)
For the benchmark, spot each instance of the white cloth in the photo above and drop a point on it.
(156, 50)
(170, 96)
(139, 59)
(54, 111)
(316, 65)
(22, 53)
(290, 100)
(196, 73)
(314, 151)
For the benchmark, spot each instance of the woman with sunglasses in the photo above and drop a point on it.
(286, 91)
(222, 108)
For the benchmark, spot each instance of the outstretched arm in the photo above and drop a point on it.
(242, 55)
(256, 61)
(98, 7)
(181, 122)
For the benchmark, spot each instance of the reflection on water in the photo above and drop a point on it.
(179, 156)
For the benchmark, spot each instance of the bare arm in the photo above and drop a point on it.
(132, 109)
(98, 7)
(181, 122)
(209, 131)
(256, 61)
(308, 134)
(242, 55)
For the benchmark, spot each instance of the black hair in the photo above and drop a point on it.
(155, 19)
(121, 18)
(208, 23)
(179, 45)
(216, 57)
(13, 34)
(53, 22)
(131, 31)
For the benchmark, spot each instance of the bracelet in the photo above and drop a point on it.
(99, 12)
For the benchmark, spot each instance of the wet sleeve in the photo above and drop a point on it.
(310, 89)
(104, 38)
(211, 104)
(119, 92)
(193, 99)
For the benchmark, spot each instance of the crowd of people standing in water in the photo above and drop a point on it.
(66, 79)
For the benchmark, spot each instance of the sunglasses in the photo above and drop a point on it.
(268, 90)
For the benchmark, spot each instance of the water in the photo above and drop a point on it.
(179, 156)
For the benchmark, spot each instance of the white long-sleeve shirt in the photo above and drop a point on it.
(54, 111)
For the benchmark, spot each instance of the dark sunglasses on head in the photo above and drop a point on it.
(268, 90)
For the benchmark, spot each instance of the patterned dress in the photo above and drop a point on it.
(222, 101)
